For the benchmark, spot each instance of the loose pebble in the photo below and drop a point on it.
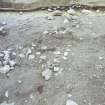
(57, 13)
(57, 52)
(12, 63)
(31, 57)
(31, 96)
(20, 82)
(71, 11)
(47, 74)
(38, 53)
(5, 69)
(86, 11)
(21, 13)
(56, 69)
(101, 58)
(70, 102)
(66, 54)
(43, 57)
(50, 10)
(6, 94)
(1, 28)
(50, 17)
(21, 55)
(66, 21)
(45, 32)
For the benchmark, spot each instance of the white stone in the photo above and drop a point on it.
(66, 21)
(50, 17)
(43, 57)
(45, 32)
(19, 81)
(69, 95)
(12, 63)
(50, 10)
(57, 52)
(21, 55)
(70, 102)
(86, 11)
(1, 28)
(71, 11)
(20, 12)
(1, 55)
(47, 74)
(31, 57)
(57, 13)
(33, 45)
(43, 47)
(38, 53)
(66, 54)
(5, 69)
(4, 23)
(56, 68)
(101, 58)
(6, 94)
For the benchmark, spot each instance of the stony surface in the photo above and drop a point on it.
(68, 50)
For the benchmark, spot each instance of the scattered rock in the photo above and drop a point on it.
(57, 52)
(20, 82)
(12, 63)
(66, 54)
(38, 53)
(47, 74)
(45, 32)
(21, 13)
(5, 69)
(66, 21)
(70, 102)
(86, 11)
(6, 94)
(69, 95)
(57, 13)
(31, 96)
(50, 17)
(101, 58)
(4, 23)
(31, 57)
(50, 10)
(43, 57)
(56, 69)
(21, 55)
(71, 11)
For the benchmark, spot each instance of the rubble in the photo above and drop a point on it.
(7, 61)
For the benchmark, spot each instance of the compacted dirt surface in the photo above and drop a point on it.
(52, 58)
